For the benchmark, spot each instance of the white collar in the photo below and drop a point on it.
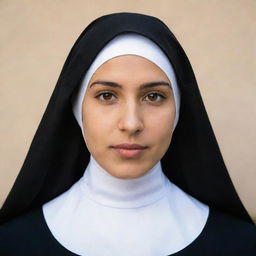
(108, 190)
(101, 214)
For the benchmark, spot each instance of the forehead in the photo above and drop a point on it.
(131, 67)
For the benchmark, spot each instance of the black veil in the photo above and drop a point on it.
(58, 155)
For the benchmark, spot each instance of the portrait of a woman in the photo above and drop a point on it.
(125, 161)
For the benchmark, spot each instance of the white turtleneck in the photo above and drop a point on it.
(102, 215)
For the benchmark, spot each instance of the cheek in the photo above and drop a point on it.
(161, 123)
(97, 126)
(160, 132)
(91, 126)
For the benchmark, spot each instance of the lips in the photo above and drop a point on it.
(129, 146)
(127, 150)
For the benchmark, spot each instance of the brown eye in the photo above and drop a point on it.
(106, 96)
(154, 97)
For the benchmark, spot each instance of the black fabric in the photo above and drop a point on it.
(222, 235)
(58, 156)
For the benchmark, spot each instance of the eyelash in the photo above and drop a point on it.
(162, 97)
(159, 96)
(105, 93)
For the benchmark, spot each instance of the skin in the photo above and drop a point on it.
(118, 108)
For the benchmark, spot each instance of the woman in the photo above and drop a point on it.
(154, 182)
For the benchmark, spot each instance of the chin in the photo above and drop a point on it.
(129, 172)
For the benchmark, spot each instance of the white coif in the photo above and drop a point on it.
(103, 215)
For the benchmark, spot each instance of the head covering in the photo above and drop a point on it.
(132, 44)
(58, 155)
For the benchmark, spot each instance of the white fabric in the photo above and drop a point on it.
(102, 215)
(132, 44)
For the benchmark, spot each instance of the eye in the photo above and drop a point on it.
(106, 96)
(154, 97)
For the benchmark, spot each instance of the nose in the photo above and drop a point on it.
(131, 119)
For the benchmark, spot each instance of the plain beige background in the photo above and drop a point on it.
(218, 36)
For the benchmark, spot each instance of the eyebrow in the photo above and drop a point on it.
(142, 86)
(106, 83)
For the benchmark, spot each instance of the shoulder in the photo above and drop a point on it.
(27, 235)
(29, 221)
(223, 235)
(230, 234)
(21, 233)
(225, 222)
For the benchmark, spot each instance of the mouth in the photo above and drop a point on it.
(127, 150)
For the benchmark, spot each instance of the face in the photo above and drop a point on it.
(128, 116)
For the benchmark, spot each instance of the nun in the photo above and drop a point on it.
(124, 161)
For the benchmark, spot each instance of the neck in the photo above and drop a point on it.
(110, 191)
